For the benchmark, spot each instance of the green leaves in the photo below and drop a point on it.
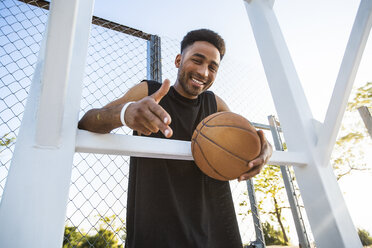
(271, 201)
(106, 236)
(363, 97)
(364, 237)
(5, 140)
(272, 236)
(348, 154)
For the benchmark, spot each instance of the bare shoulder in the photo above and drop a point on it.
(134, 94)
(221, 104)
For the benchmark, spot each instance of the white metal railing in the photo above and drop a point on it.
(128, 145)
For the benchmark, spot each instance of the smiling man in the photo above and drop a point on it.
(171, 203)
(198, 66)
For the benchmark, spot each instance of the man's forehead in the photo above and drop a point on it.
(204, 48)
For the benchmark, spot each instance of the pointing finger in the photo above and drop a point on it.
(161, 114)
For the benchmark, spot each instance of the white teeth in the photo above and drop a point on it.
(197, 81)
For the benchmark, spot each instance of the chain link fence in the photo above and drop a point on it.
(117, 60)
(21, 28)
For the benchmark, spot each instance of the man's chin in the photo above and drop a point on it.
(196, 91)
(192, 90)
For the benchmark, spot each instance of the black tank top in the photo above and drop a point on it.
(171, 203)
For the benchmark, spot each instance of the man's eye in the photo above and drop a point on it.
(212, 68)
(196, 61)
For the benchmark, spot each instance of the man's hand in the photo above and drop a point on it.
(256, 165)
(147, 116)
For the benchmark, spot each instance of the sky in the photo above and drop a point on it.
(316, 33)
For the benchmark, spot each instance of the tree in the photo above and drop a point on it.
(269, 183)
(272, 236)
(270, 194)
(348, 150)
(364, 237)
(363, 97)
(72, 237)
(106, 236)
(103, 239)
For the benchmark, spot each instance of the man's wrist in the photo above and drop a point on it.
(122, 113)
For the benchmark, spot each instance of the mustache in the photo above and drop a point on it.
(199, 77)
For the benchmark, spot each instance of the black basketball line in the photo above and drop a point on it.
(241, 128)
(201, 150)
(197, 134)
(204, 123)
(194, 139)
(236, 156)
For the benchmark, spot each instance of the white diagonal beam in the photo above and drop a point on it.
(55, 71)
(33, 206)
(327, 212)
(345, 79)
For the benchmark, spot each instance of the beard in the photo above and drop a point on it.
(188, 88)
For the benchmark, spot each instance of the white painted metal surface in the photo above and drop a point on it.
(51, 102)
(328, 215)
(345, 79)
(33, 206)
(367, 118)
(128, 145)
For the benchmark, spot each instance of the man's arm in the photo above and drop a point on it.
(144, 115)
(221, 105)
(254, 166)
(107, 118)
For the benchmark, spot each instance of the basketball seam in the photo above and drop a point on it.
(201, 150)
(214, 169)
(248, 130)
(203, 124)
(246, 161)
(220, 113)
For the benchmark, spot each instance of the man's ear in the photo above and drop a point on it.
(177, 61)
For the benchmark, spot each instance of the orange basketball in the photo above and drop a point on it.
(223, 144)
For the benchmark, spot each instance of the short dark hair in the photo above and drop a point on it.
(204, 35)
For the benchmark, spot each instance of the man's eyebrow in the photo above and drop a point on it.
(203, 57)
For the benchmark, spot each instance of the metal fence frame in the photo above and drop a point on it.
(154, 71)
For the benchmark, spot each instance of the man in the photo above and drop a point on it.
(171, 203)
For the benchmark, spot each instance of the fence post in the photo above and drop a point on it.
(33, 206)
(366, 117)
(260, 241)
(154, 58)
(289, 187)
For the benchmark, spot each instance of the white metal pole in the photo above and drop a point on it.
(33, 206)
(328, 215)
(345, 79)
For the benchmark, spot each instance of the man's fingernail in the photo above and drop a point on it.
(166, 133)
(166, 120)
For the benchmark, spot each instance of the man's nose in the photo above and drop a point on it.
(203, 70)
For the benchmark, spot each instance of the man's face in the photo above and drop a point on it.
(197, 69)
